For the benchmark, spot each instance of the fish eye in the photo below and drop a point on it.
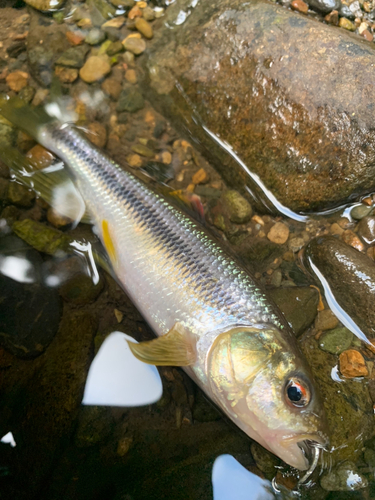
(297, 393)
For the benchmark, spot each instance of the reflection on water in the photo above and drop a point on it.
(231, 480)
(8, 439)
(117, 378)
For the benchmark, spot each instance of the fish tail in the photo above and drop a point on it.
(19, 165)
(23, 116)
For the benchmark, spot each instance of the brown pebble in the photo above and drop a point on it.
(112, 87)
(300, 6)
(131, 76)
(134, 12)
(135, 161)
(257, 219)
(85, 23)
(40, 157)
(326, 320)
(17, 80)
(134, 45)
(370, 253)
(352, 364)
(279, 233)
(116, 22)
(74, 38)
(66, 75)
(332, 18)
(351, 239)
(200, 177)
(288, 256)
(94, 69)
(166, 157)
(57, 219)
(97, 134)
(367, 35)
(336, 229)
(145, 28)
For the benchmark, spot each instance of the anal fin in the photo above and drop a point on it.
(175, 348)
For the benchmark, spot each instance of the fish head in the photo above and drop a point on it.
(263, 383)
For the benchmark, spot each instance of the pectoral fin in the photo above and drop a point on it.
(175, 348)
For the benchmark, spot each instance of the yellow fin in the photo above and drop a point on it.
(175, 348)
(108, 242)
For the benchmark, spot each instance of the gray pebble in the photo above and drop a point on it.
(336, 341)
(95, 36)
(344, 11)
(130, 100)
(360, 211)
(324, 6)
(345, 477)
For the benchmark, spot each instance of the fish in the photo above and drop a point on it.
(209, 314)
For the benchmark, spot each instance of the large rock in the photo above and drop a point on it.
(292, 96)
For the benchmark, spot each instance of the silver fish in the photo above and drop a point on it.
(210, 315)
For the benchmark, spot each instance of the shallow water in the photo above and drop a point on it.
(55, 312)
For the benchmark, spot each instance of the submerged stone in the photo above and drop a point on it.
(29, 311)
(263, 83)
(41, 237)
(336, 341)
(345, 477)
(81, 290)
(239, 209)
(298, 304)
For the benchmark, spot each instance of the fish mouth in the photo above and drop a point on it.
(305, 449)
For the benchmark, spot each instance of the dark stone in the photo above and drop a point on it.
(113, 34)
(29, 312)
(264, 84)
(81, 290)
(130, 100)
(74, 57)
(41, 64)
(344, 267)
(20, 195)
(16, 48)
(298, 304)
(160, 127)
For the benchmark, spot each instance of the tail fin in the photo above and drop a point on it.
(22, 115)
(53, 184)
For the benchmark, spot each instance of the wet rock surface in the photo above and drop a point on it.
(241, 91)
(351, 275)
